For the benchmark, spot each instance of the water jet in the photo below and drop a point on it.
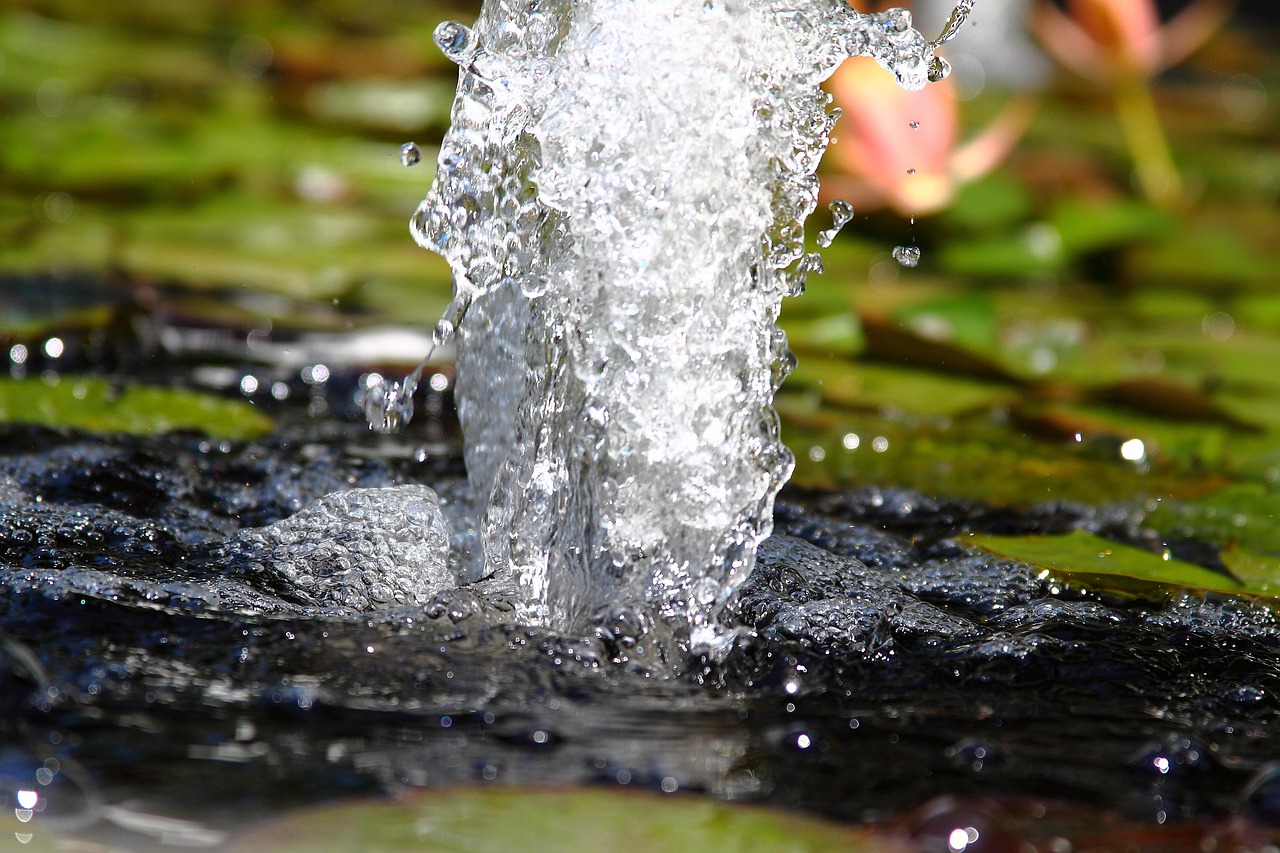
(621, 199)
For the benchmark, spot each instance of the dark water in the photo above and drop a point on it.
(154, 696)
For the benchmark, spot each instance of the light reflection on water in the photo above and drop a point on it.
(144, 702)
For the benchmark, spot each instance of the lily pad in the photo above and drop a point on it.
(1255, 569)
(484, 819)
(1105, 566)
(877, 387)
(1242, 513)
(94, 404)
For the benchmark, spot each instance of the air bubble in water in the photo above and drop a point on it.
(908, 256)
(410, 155)
(915, 125)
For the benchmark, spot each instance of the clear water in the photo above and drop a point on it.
(164, 688)
(622, 198)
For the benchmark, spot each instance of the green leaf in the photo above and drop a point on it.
(1105, 566)
(1256, 570)
(967, 320)
(90, 403)
(876, 387)
(1243, 513)
(994, 203)
(581, 819)
(1206, 253)
(1087, 226)
(1034, 252)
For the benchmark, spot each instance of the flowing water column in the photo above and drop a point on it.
(620, 194)
(647, 453)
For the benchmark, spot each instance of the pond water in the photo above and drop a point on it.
(156, 695)
(165, 686)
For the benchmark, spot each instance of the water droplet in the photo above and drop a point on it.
(443, 333)
(388, 406)
(907, 256)
(841, 214)
(939, 69)
(410, 155)
(456, 41)
(811, 262)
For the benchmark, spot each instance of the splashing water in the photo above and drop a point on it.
(841, 214)
(621, 198)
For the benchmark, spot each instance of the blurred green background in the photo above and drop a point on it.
(1073, 331)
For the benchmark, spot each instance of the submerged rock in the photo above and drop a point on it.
(364, 549)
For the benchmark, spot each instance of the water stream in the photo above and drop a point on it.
(622, 199)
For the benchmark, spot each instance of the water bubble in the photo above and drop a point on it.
(915, 125)
(1244, 97)
(410, 155)
(56, 206)
(907, 256)
(1219, 325)
(250, 56)
(53, 96)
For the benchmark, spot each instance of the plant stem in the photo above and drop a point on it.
(1148, 146)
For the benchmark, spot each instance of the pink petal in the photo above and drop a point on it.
(982, 154)
(1126, 31)
(1187, 31)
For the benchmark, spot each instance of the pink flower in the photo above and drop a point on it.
(1118, 39)
(898, 149)
(1123, 45)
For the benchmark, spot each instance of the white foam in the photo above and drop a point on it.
(622, 197)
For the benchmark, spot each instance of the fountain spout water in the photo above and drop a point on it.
(622, 197)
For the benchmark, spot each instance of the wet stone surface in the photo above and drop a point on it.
(155, 647)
